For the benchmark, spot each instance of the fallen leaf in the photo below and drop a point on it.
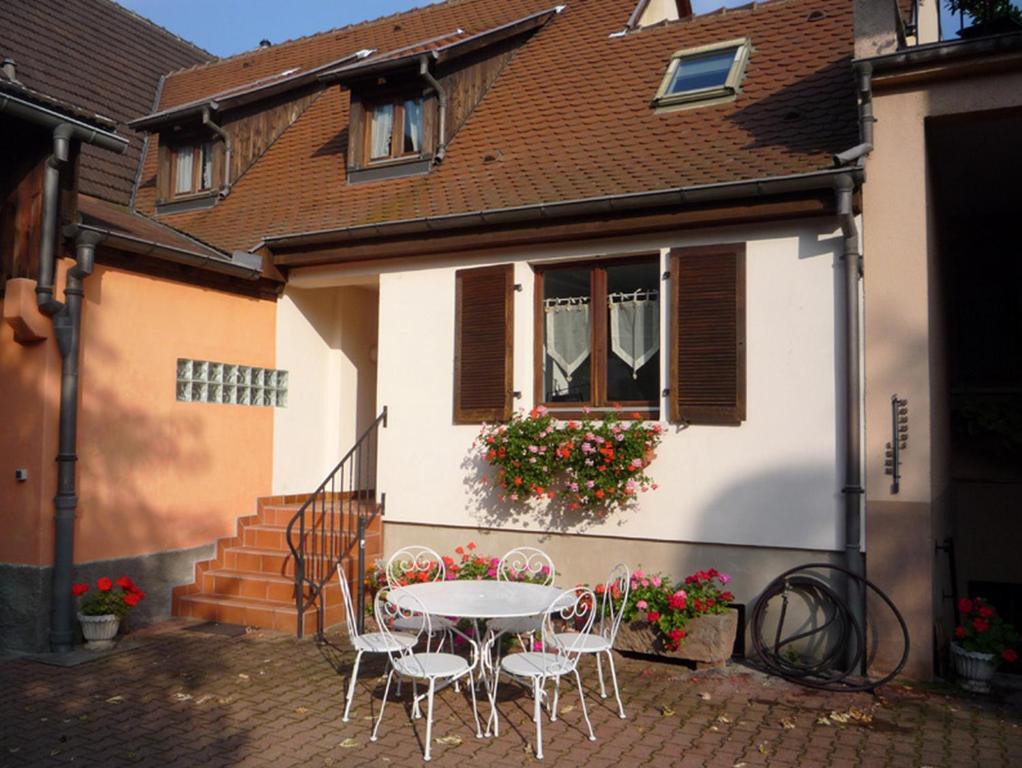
(83, 718)
(14, 750)
(706, 697)
(723, 719)
(568, 708)
(666, 711)
(763, 747)
(348, 743)
(740, 765)
(115, 700)
(301, 710)
(787, 723)
(227, 699)
(242, 676)
(452, 740)
(822, 720)
(204, 698)
(182, 696)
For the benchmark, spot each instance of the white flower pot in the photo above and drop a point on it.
(99, 631)
(975, 670)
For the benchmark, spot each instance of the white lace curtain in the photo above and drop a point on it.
(567, 339)
(413, 126)
(634, 332)
(382, 130)
(635, 327)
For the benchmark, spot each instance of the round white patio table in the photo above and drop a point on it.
(477, 600)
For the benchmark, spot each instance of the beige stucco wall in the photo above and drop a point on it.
(904, 345)
(773, 482)
(326, 338)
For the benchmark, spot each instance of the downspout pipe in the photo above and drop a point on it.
(62, 135)
(67, 325)
(207, 120)
(441, 94)
(864, 85)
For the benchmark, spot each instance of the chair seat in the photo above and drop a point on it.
(426, 665)
(414, 623)
(582, 643)
(516, 626)
(535, 664)
(377, 642)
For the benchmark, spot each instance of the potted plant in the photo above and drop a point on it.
(989, 17)
(982, 641)
(100, 611)
(690, 620)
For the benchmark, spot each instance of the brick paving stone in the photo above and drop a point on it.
(266, 699)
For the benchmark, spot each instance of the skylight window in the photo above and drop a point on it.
(708, 74)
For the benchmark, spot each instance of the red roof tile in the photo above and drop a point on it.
(569, 117)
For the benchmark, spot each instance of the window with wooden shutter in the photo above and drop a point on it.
(483, 344)
(707, 335)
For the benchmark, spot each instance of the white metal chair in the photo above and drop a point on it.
(402, 566)
(366, 642)
(577, 608)
(429, 666)
(601, 639)
(529, 562)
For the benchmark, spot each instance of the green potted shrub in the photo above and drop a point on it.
(989, 17)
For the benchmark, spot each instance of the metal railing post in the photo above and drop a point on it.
(361, 572)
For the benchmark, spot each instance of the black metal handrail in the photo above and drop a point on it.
(332, 522)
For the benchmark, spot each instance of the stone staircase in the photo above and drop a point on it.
(250, 581)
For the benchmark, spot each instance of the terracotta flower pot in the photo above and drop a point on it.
(99, 631)
(709, 640)
(975, 669)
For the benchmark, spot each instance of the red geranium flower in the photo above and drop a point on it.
(965, 605)
(131, 599)
(125, 583)
(986, 611)
(959, 632)
(980, 625)
(652, 616)
(1009, 655)
(79, 589)
(103, 584)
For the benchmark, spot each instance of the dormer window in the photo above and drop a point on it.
(394, 130)
(193, 168)
(710, 74)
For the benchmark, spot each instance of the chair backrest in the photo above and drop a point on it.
(529, 563)
(349, 610)
(405, 606)
(408, 562)
(572, 611)
(613, 602)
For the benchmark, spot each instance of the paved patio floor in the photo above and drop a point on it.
(181, 698)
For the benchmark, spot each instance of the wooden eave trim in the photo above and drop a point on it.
(499, 238)
(951, 70)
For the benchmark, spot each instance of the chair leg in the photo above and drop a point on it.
(383, 704)
(613, 677)
(582, 698)
(536, 715)
(493, 717)
(429, 718)
(599, 671)
(416, 711)
(475, 708)
(351, 686)
(556, 699)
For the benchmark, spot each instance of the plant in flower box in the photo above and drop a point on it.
(690, 619)
(982, 641)
(587, 466)
(100, 611)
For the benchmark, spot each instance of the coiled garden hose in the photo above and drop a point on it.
(834, 671)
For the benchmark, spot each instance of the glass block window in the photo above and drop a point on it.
(202, 381)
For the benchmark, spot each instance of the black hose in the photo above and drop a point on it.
(835, 671)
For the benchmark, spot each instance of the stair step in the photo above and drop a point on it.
(281, 514)
(276, 563)
(267, 614)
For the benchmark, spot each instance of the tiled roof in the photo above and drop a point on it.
(569, 118)
(103, 59)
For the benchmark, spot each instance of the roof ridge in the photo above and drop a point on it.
(160, 28)
(321, 33)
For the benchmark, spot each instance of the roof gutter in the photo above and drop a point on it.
(942, 53)
(242, 264)
(49, 118)
(610, 204)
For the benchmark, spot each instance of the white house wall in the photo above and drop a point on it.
(774, 481)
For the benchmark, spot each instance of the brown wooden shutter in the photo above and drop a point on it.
(356, 133)
(707, 335)
(163, 172)
(483, 344)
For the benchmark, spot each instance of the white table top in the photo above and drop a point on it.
(479, 599)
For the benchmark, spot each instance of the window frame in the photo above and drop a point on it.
(598, 403)
(196, 188)
(397, 102)
(715, 94)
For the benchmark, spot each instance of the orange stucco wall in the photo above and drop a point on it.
(153, 474)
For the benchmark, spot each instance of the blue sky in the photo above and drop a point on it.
(226, 27)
